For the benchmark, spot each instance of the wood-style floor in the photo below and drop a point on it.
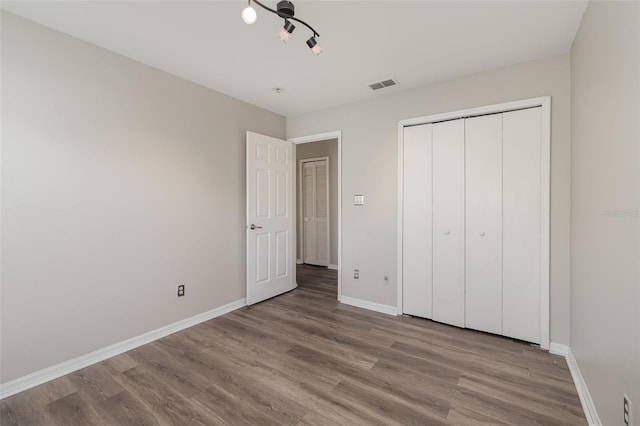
(304, 359)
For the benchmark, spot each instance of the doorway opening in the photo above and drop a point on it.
(318, 207)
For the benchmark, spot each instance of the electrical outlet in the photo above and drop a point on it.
(356, 274)
(386, 279)
(627, 414)
(180, 290)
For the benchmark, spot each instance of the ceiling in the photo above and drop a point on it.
(414, 42)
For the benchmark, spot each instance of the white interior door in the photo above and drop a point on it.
(522, 219)
(417, 222)
(483, 168)
(448, 222)
(270, 265)
(315, 212)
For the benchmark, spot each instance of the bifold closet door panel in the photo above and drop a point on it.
(483, 204)
(522, 243)
(417, 222)
(322, 212)
(448, 222)
(308, 196)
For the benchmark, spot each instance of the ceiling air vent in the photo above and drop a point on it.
(383, 84)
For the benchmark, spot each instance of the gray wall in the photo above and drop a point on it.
(329, 149)
(369, 167)
(605, 200)
(119, 181)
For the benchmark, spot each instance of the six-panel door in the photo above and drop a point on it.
(269, 217)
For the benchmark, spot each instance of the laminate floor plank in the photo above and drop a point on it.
(166, 404)
(124, 409)
(303, 358)
(525, 402)
(73, 410)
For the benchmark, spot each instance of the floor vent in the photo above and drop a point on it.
(383, 84)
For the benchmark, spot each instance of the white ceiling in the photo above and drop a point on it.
(415, 42)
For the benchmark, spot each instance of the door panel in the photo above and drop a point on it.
(281, 194)
(522, 218)
(262, 194)
(417, 222)
(269, 201)
(483, 199)
(315, 196)
(282, 239)
(448, 222)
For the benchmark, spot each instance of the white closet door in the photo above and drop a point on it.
(483, 168)
(308, 207)
(315, 201)
(522, 203)
(448, 222)
(322, 212)
(416, 231)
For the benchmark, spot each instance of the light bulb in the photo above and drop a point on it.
(286, 31)
(314, 46)
(316, 50)
(283, 35)
(249, 15)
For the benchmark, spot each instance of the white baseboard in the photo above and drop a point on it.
(378, 307)
(333, 266)
(42, 376)
(299, 261)
(559, 349)
(581, 386)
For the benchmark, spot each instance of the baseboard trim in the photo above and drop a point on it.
(299, 261)
(42, 376)
(583, 392)
(558, 349)
(378, 307)
(333, 266)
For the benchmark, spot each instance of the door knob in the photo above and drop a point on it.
(446, 232)
(252, 227)
(482, 234)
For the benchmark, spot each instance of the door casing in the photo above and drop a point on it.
(337, 134)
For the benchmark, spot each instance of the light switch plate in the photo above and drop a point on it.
(358, 200)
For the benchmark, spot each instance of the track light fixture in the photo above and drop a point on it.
(285, 9)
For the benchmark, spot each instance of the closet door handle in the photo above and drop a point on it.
(446, 232)
(482, 234)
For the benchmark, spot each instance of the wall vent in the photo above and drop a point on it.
(383, 84)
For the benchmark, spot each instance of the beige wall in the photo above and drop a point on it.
(329, 149)
(119, 181)
(605, 200)
(369, 166)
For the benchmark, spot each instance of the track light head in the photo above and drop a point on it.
(314, 46)
(286, 31)
(249, 15)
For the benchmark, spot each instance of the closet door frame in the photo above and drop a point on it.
(301, 204)
(545, 104)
